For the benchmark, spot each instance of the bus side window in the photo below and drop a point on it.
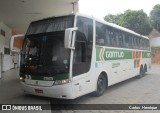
(115, 38)
(112, 36)
(100, 34)
(126, 41)
(79, 55)
(134, 43)
(123, 37)
(108, 42)
(144, 44)
(119, 39)
(130, 42)
(147, 46)
(140, 41)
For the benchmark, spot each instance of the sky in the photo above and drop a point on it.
(100, 8)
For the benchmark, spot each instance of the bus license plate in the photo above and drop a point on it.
(38, 91)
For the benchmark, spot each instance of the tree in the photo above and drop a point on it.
(155, 17)
(134, 20)
(112, 18)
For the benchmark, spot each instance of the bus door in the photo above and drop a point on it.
(81, 69)
(82, 56)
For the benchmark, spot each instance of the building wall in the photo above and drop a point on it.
(155, 42)
(2, 39)
(155, 46)
(8, 34)
(11, 62)
(5, 62)
(156, 55)
(0, 65)
(7, 59)
(5, 44)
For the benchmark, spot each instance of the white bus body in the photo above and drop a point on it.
(100, 53)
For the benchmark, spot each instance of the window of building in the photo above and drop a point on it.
(7, 51)
(3, 32)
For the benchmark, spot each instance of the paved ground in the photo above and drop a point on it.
(11, 92)
(132, 91)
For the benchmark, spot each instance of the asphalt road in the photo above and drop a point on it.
(133, 91)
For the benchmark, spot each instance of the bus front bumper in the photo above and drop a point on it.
(56, 91)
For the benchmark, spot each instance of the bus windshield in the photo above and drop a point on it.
(45, 54)
(43, 51)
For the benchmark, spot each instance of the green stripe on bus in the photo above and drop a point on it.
(136, 54)
(118, 54)
(98, 53)
(114, 54)
(55, 77)
(146, 54)
(36, 77)
(61, 76)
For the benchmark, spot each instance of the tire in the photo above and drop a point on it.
(145, 68)
(101, 86)
(141, 72)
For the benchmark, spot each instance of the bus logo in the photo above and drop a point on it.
(112, 54)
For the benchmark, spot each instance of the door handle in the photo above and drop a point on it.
(76, 84)
(88, 81)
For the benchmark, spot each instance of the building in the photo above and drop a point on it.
(155, 46)
(15, 19)
(8, 59)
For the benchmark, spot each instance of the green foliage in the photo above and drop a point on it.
(112, 18)
(155, 17)
(134, 20)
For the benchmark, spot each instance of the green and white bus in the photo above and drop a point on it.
(73, 55)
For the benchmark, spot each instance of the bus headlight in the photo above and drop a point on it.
(60, 82)
(21, 79)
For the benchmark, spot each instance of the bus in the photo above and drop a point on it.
(72, 55)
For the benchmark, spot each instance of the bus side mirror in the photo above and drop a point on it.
(12, 41)
(68, 37)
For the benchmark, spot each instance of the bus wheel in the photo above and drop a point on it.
(141, 72)
(145, 68)
(101, 86)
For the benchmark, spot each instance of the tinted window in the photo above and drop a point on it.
(83, 46)
(50, 25)
(113, 37)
